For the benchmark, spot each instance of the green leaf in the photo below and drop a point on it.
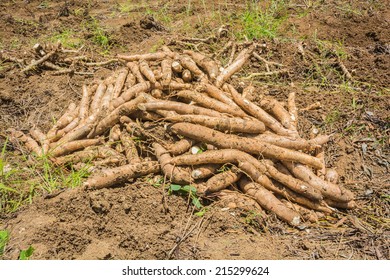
(26, 254)
(4, 187)
(4, 237)
(189, 188)
(196, 202)
(174, 188)
(200, 213)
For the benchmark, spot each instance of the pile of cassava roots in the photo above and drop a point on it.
(178, 115)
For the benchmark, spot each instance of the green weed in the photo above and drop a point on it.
(26, 254)
(20, 184)
(68, 39)
(157, 45)
(4, 237)
(261, 23)
(332, 116)
(187, 190)
(99, 35)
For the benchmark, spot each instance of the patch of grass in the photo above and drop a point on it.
(99, 35)
(15, 44)
(4, 237)
(79, 12)
(162, 14)
(20, 184)
(68, 39)
(157, 45)
(126, 7)
(258, 22)
(332, 116)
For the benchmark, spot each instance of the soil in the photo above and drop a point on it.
(139, 221)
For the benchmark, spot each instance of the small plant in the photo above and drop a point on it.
(157, 45)
(26, 254)
(186, 190)
(252, 218)
(67, 38)
(332, 116)
(4, 237)
(99, 35)
(19, 185)
(43, 5)
(259, 23)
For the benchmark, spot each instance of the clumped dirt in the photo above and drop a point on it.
(139, 221)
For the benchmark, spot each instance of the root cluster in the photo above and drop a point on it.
(211, 136)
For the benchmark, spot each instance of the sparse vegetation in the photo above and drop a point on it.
(20, 183)
(68, 39)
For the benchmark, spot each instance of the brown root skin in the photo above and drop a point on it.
(63, 121)
(252, 146)
(275, 108)
(30, 144)
(189, 64)
(97, 98)
(148, 56)
(130, 94)
(269, 202)
(204, 62)
(120, 82)
(115, 133)
(341, 204)
(260, 114)
(84, 103)
(329, 190)
(130, 81)
(166, 72)
(73, 146)
(41, 138)
(278, 188)
(208, 102)
(113, 118)
(60, 133)
(293, 111)
(332, 176)
(239, 157)
(220, 95)
(130, 148)
(222, 180)
(106, 99)
(88, 154)
(180, 108)
(238, 200)
(291, 143)
(119, 175)
(242, 58)
(231, 125)
(134, 68)
(204, 171)
(175, 174)
(181, 146)
(146, 71)
(76, 134)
